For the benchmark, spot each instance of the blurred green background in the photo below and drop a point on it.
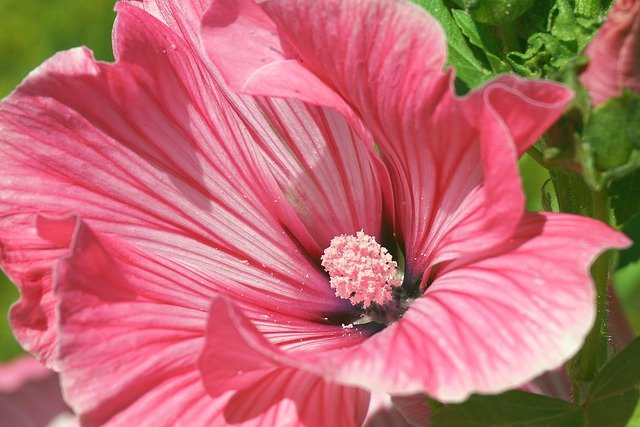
(33, 30)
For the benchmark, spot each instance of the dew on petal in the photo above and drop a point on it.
(360, 270)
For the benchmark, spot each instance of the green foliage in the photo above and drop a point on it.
(578, 200)
(615, 393)
(470, 71)
(627, 274)
(612, 131)
(551, 48)
(9, 348)
(495, 11)
(610, 150)
(544, 55)
(31, 31)
(611, 401)
(480, 36)
(513, 408)
(630, 255)
(533, 39)
(625, 197)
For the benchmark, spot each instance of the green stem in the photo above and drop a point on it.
(588, 8)
(593, 355)
(507, 36)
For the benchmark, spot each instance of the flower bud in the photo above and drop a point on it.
(614, 54)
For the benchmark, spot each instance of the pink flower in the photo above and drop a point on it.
(167, 234)
(614, 54)
(30, 396)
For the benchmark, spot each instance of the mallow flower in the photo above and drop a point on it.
(344, 226)
(614, 53)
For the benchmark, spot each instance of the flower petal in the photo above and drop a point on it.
(614, 54)
(128, 323)
(324, 172)
(473, 214)
(28, 252)
(555, 383)
(182, 17)
(492, 323)
(383, 413)
(527, 107)
(30, 395)
(155, 150)
(414, 408)
(236, 356)
(131, 332)
(131, 327)
(406, 103)
(258, 68)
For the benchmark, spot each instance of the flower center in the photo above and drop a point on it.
(360, 270)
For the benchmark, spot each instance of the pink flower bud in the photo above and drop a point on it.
(615, 53)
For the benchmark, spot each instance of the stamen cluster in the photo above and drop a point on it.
(360, 270)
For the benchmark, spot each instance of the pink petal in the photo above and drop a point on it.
(30, 396)
(414, 408)
(257, 69)
(614, 53)
(384, 61)
(291, 397)
(527, 107)
(477, 200)
(491, 323)
(383, 413)
(555, 383)
(155, 150)
(137, 366)
(322, 169)
(146, 318)
(237, 357)
(28, 252)
(325, 173)
(182, 17)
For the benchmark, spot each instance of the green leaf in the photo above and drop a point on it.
(480, 36)
(613, 131)
(634, 421)
(469, 69)
(549, 199)
(495, 12)
(9, 348)
(545, 55)
(612, 399)
(555, 36)
(513, 408)
(625, 197)
(536, 19)
(615, 392)
(574, 29)
(562, 21)
(610, 145)
(630, 255)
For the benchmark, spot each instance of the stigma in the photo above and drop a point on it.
(360, 270)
